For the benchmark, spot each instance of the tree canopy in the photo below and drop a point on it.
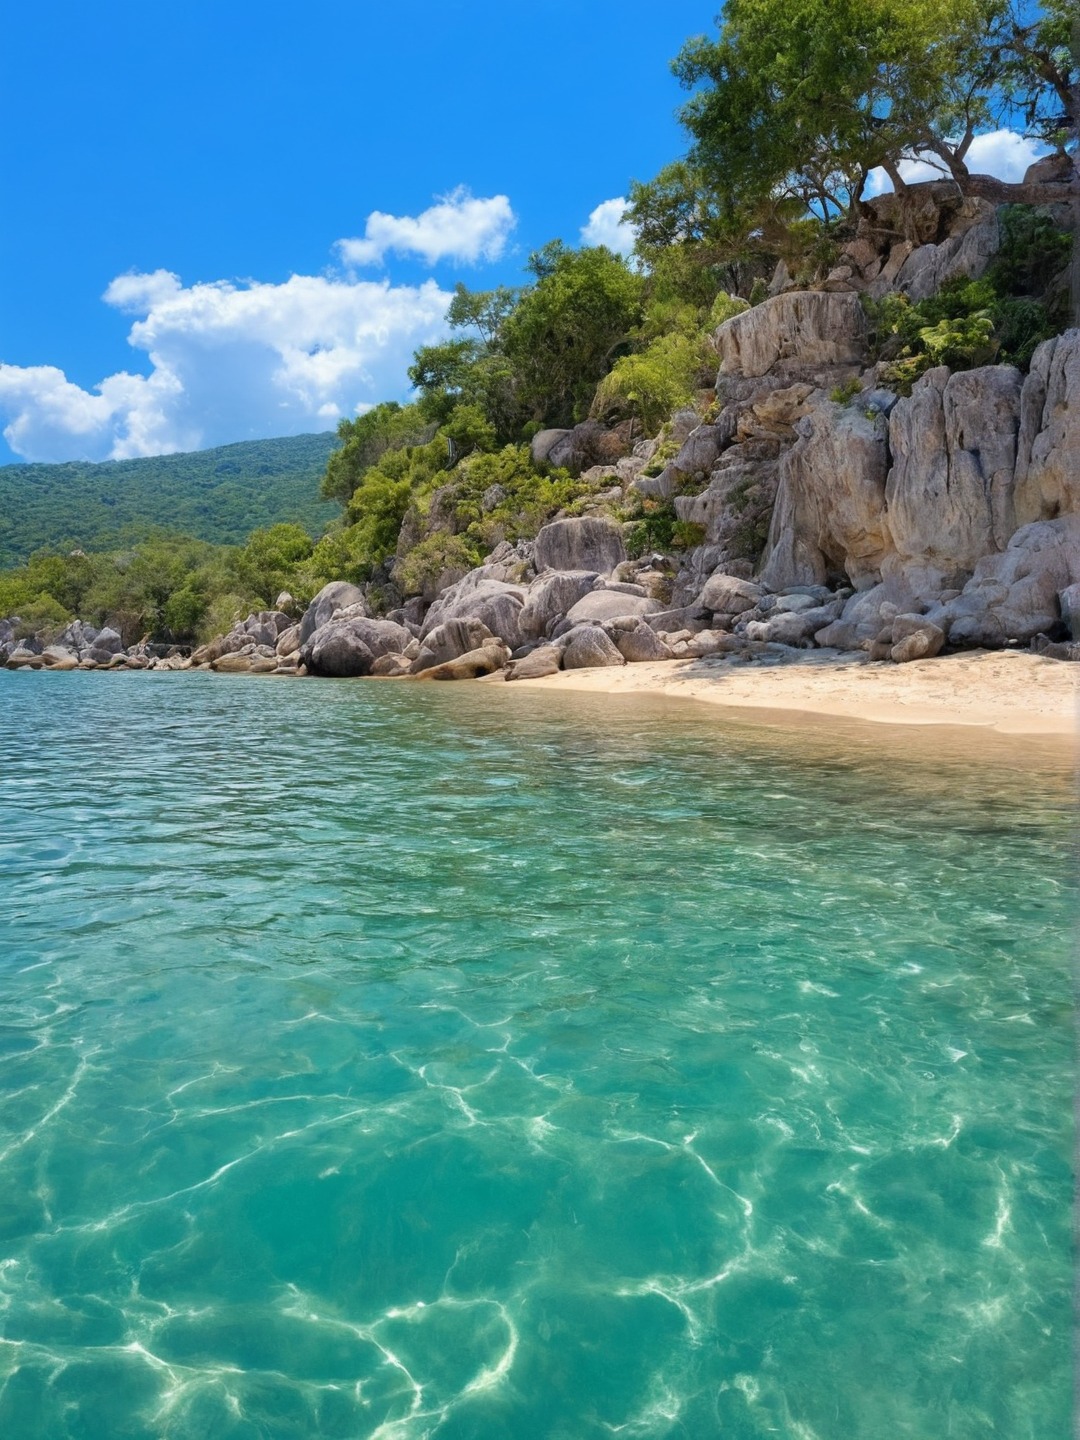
(798, 100)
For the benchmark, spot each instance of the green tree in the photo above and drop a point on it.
(366, 440)
(800, 99)
(566, 332)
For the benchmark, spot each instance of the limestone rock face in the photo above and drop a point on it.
(800, 330)
(829, 517)
(338, 595)
(588, 543)
(1048, 451)
(587, 647)
(964, 255)
(1015, 595)
(551, 595)
(950, 489)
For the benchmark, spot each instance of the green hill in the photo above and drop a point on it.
(219, 495)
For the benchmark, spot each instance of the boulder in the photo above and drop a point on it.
(551, 595)
(950, 489)
(496, 603)
(337, 649)
(448, 641)
(106, 644)
(1014, 595)
(338, 595)
(57, 657)
(1048, 448)
(392, 666)
(914, 637)
(588, 647)
(584, 544)
(544, 660)
(541, 445)
(485, 660)
(691, 618)
(640, 644)
(288, 642)
(829, 517)
(232, 664)
(265, 627)
(602, 605)
(700, 451)
(861, 620)
(78, 637)
(1069, 601)
(728, 595)
(800, 330)
(586, 445)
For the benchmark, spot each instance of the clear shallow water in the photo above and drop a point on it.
(416, 1061)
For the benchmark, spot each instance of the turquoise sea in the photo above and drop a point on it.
(412, 1061)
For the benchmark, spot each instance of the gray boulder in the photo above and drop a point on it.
(1048, 449)
(602, 605)
(448, 641)
(586, 445)
(107, 643)
(915, 638)
(544, 660)
(588, 647)
(541, 445)
(640, 644)
(496, 603)
(337, 649)
(587, 543)
(865, 613)
(551, 595)
(1069, 601)
(338, 595)
(492, 655)
(1014, 595)
(728, 595)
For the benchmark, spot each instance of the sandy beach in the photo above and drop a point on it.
(1007, 692)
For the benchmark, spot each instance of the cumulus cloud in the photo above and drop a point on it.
(458, 227)
(227, 362)
(607, 227)
(1002, 153)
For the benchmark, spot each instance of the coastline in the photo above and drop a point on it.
(1013, 694)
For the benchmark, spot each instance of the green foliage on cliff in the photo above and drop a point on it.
(216, 495)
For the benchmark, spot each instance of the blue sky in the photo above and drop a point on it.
(234, 141)
(228, 220)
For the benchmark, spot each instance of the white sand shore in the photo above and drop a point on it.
(1006, 691)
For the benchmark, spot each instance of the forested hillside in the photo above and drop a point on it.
(218, 495)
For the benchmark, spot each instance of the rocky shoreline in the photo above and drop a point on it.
(901, 526)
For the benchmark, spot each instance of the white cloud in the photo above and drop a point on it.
(228, 362)
(459, 227)
(1002, 153)
(607, 227)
